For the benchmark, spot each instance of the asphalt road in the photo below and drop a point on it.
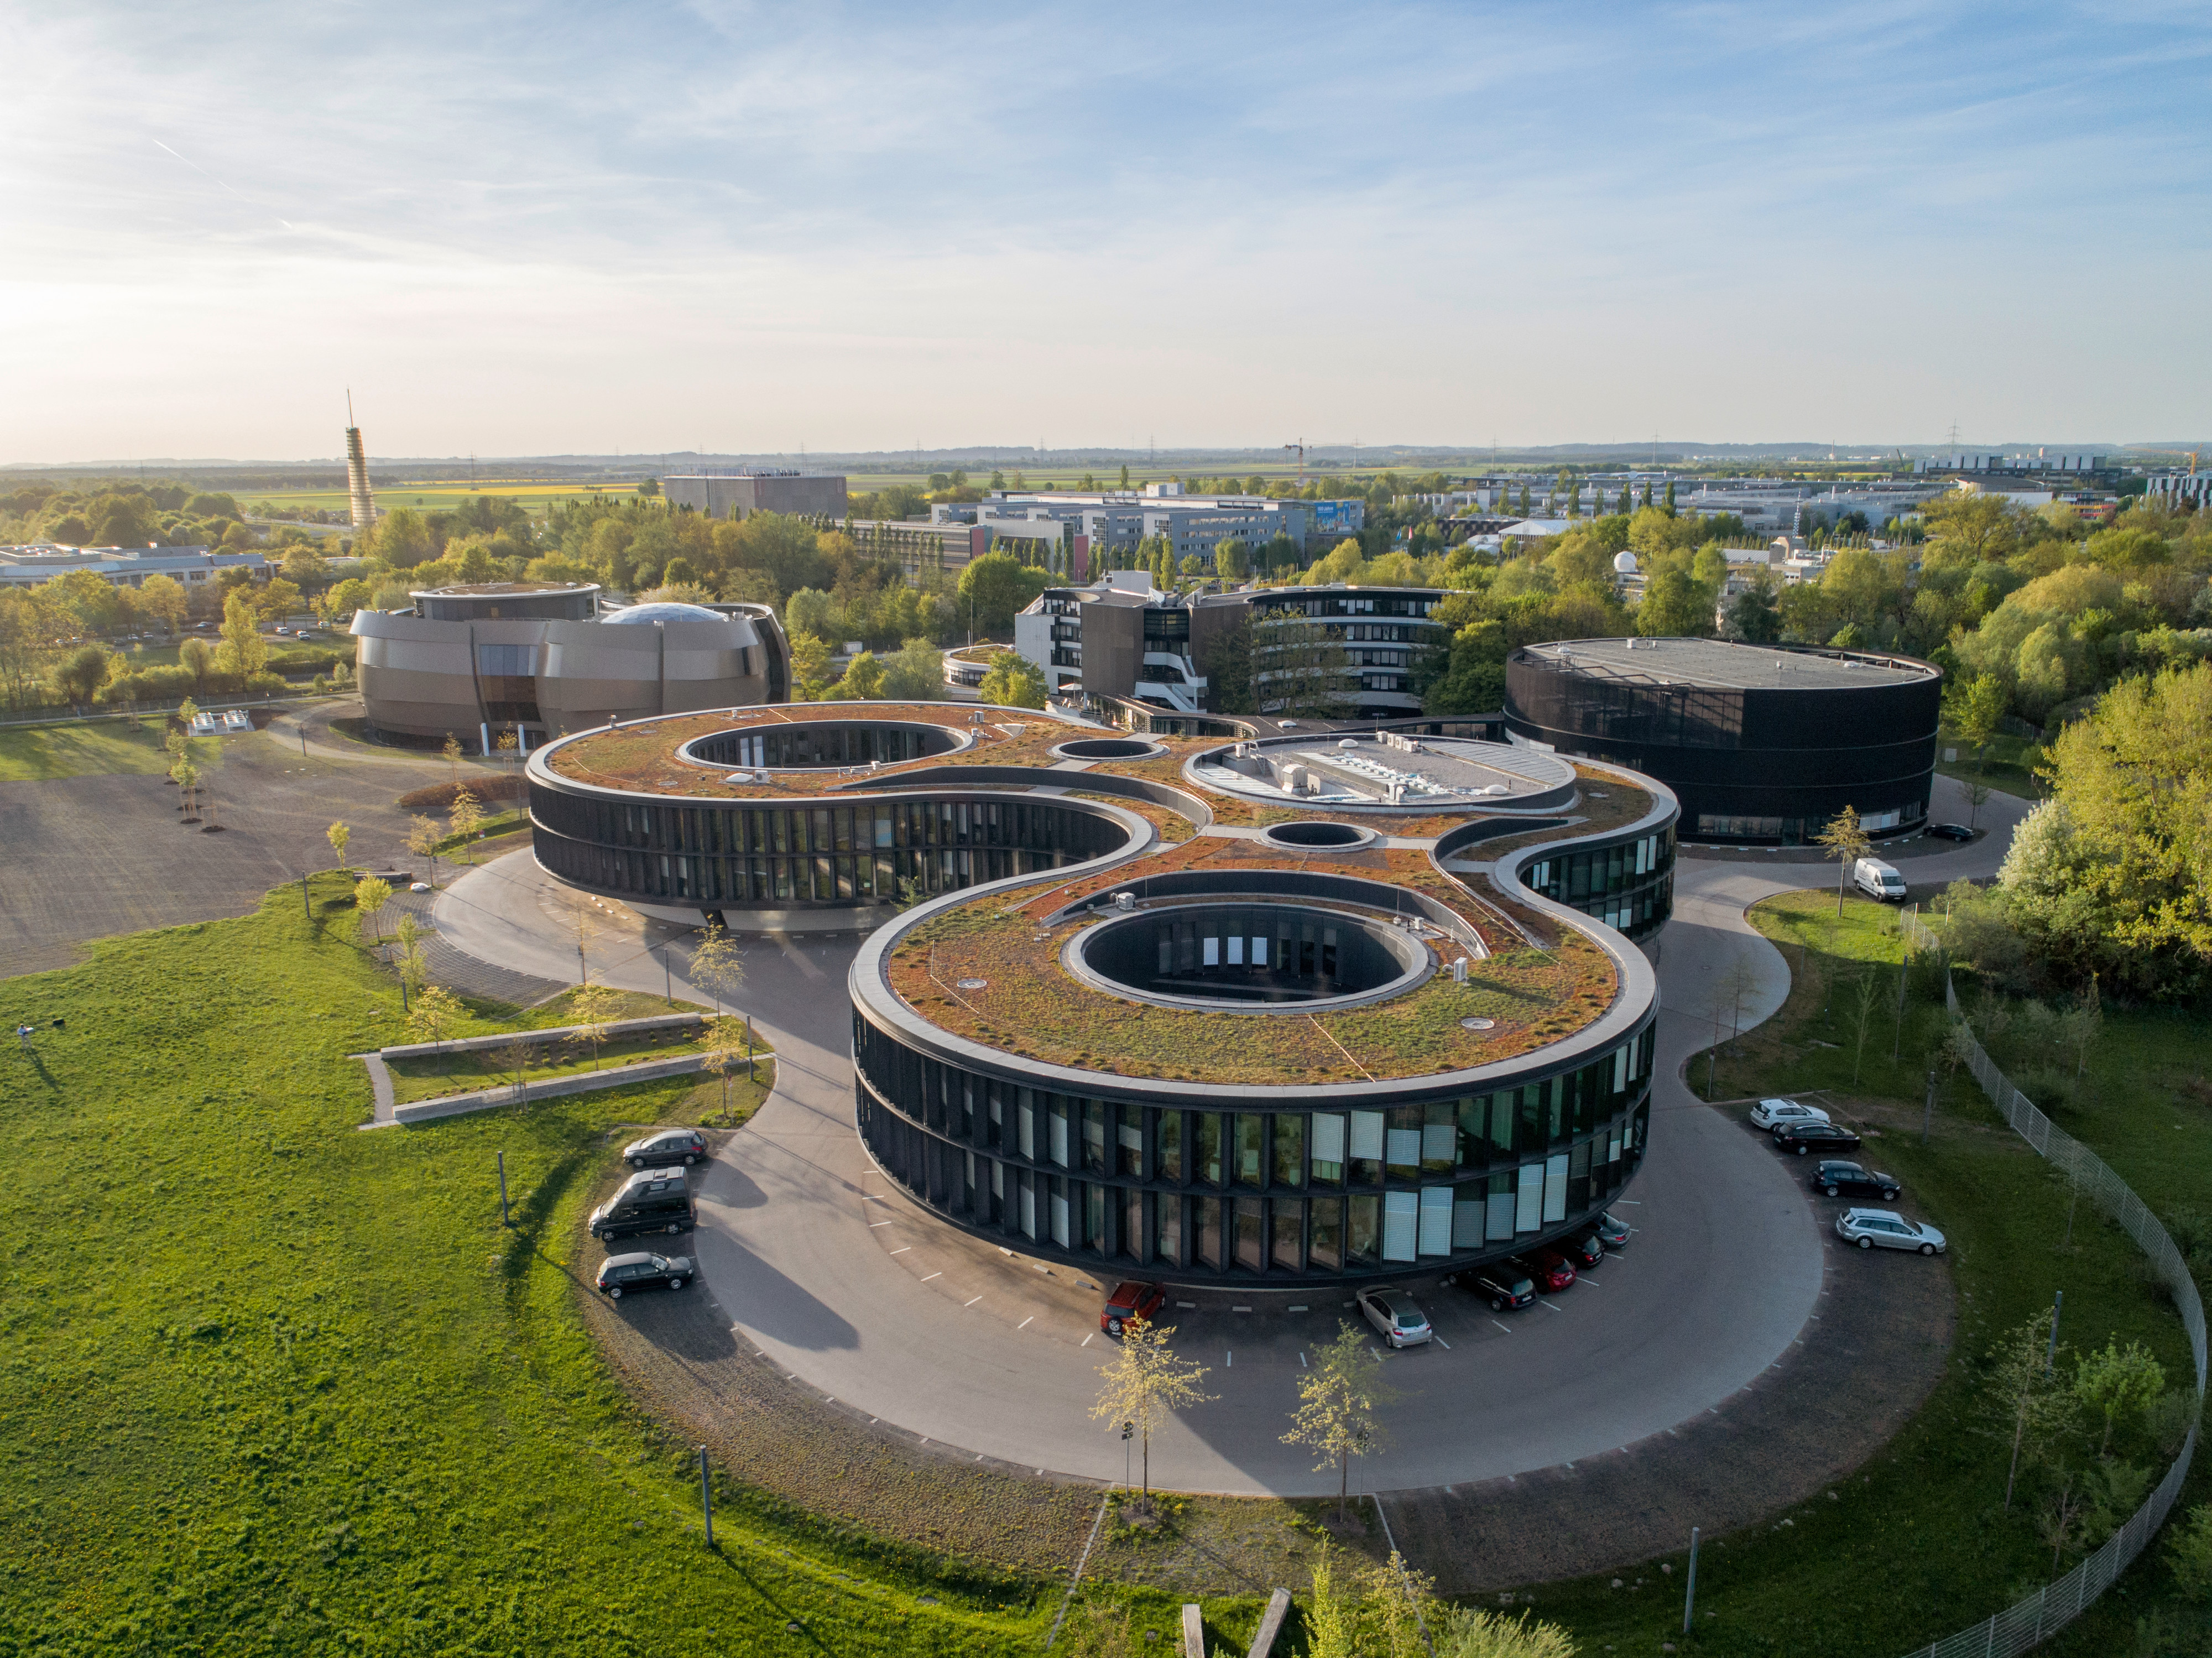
(827, 1271)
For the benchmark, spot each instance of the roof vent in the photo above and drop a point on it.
(1125, 901)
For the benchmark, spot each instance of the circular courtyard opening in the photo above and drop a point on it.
(1108, 747)
(1253, 958)
(1316, 836)
(806, 744)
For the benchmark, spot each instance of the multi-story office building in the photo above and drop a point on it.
(738, 494)
(124, 566)
(1120, 638)
(1093, 524)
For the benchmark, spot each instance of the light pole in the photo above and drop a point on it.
(1129, 1433)
(1689, 1593)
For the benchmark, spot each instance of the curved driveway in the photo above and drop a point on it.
(824, 1267)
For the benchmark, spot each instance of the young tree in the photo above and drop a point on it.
(863, 680)
(1338, 1401)
(188, 781)
(414, 964)
(1866, 996)
(423, 838)
(1146, 1380)
(370, 895)
(2116, 1381)
(1976, 706)
(435, 1015)
(726, 1049)
(717, 963)
(466, 819)
(338, 835)
(810, 668)
(914, 673)
(591, 1008)
(514, 1056)
(1845, 842)
(2023, 1401)
(245, 652)
(452, 752)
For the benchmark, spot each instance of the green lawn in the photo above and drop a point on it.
(2008, 767)
(280, 1387)
(87, 748)
(1915, 1546)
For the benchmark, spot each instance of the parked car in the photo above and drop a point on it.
(1769, 1114)
(418, 886)
(1130, 1302)
(683, 1145)
(1803, 1137)
(1835, 1178)
(1585, 1250)
(1950, 831)
(1885, 1228)
(651, 1200)
(1552, 1270)
(619, 1274)
(1501, 1285)
(1395, 1316)
(1610, 1230)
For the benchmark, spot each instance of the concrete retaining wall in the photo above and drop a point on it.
(615, 1031)
(484, 1099)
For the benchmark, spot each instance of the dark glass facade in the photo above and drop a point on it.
(1745, 762)
(809, 854)
(1276, 1192)
(1628, 884)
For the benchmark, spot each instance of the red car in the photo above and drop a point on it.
(1551, 1270)
(1131, 1300)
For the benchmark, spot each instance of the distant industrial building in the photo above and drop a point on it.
(2182, 492)
(1120, 638)
(542, 659)
(1091, 524)
(124, 566)
(1759, 742)
(740, 494)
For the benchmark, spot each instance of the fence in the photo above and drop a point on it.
(2020, 1627)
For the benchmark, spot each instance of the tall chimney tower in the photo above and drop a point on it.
(364, 503)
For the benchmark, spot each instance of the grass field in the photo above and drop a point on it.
(280, 1387)
(2008, 766)
(1916, 1546)
(93, 748)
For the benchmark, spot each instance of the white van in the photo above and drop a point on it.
(1878, 880)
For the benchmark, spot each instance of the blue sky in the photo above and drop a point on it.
(518, 229)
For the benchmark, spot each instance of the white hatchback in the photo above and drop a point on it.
(1772, 1114)
(1885, 1228)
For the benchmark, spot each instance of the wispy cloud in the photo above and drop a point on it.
(531, 226)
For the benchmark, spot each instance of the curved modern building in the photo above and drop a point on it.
(545, 659)
(1758, 741)
(1321, 1007)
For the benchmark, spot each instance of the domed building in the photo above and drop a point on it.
(1318, 1007)
(545, 658)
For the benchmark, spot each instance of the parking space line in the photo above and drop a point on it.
(902, 1248)
(1230, 1363)
(875, 1224)
(1441, 1342)
(1586, 1278)
(1547, 1303)
(1506, 1327)
(1087, 1340)
(1302, 1361)
(971, 1303)
(1026, 1323)
(932, 1275)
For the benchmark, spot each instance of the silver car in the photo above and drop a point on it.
(1868, 1228)
(1395, 1316)
(1772, 1114)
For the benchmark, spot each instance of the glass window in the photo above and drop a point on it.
(1094, 1136)
(1029, 1204)
(1251, 1134)
(1555, 1188)
(1170, 1146)
(1094, 1216)
(1501, 1113)
(1474, 1132)
(1400, 1220)
(1209, 1231)
(1529, 1212)
(1402, 1142)
(1436, 1230)
(1287, 1218)
(1130, 1142)
(1327, 1247)
(1500, 1204)
(1025, 1124)
(1363, 1238)
(1329, 1147)
(1439, 1137)
(1167, 1231)
(1056, 1124)
(1209, 1148)
(1466, 1226)
(1251, 1242)
(1059, 1211)
(1290, 1149)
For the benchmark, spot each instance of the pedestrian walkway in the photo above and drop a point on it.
(469, 976)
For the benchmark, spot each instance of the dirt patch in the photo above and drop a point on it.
(437, 799)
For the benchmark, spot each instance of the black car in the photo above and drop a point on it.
(620, 1273)
(1501, 1286)
(651, 1200)
(1586, 1250)
(1814, 1135)
(669, 1146)
(1610, 1230)
(1837, 1178)
(1950, 831)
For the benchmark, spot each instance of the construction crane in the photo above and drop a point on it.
(1300, 447)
